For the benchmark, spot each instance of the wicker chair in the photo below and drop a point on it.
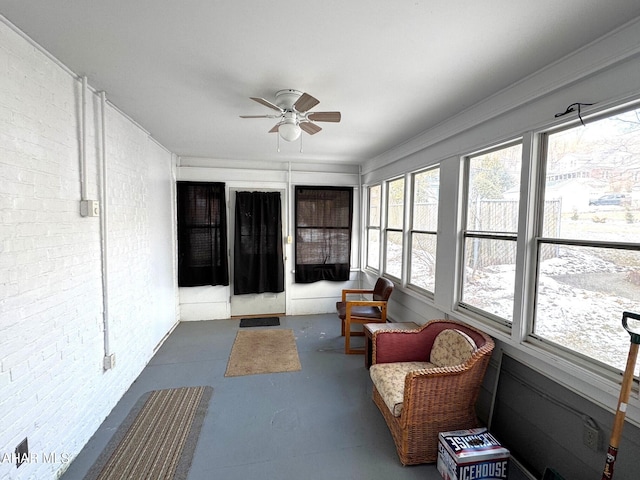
(433, 398)
(363, 311)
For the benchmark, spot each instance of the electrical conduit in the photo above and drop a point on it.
(108, 363)
(83, 148)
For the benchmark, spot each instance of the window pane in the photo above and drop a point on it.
(489, 275)
(374, 205)
(581, 294)
(394, 254)
(494, 190)
(373, 248)
(423, 261)
(426, 188)
(395, 202)
(317, 246)
(593, 175)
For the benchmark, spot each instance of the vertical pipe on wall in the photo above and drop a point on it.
(362, 204)
(108, 358)
(83, 147)
(289, 203)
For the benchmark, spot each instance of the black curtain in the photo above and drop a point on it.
(202, 234)
(258, 265)
(323, 233)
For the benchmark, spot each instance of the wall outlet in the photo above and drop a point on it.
(109, 361)
(591, 437)
(89, 208)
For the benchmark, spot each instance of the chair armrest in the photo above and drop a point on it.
(443, 390)
(354, 291)
(437, 390)
(401, 346)
(365, 303)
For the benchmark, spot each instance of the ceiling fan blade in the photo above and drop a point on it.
(310, 128)
(305, 102)
(256, 116)
(324, 116)
(275, 128)
(266, 103)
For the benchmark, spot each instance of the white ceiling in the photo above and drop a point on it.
(185, 69)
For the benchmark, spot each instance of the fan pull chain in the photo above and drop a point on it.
(278, 141)
(301, 135)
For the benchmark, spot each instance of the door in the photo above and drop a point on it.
(257, 261)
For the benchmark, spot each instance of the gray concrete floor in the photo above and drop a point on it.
(317, 423)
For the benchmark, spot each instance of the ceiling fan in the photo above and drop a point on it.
(293, 114)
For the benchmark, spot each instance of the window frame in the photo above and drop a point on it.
(306, 272)
(539, 240)
(192, 199)
(373, 228)
(412, 231)
(397, 230)
(461, 306)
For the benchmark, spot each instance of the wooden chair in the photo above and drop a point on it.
(363, 311)
(419, 398)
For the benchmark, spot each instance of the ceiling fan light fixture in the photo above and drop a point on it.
(293, 114)
(289, 130)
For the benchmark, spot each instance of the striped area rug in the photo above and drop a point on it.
(158, 438)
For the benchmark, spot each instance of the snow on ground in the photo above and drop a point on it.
(582, 319)
(581, 298)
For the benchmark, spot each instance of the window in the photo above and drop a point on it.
(323, 233)
(588, 241)
(490, 234)
(373, 227)
(393, 232)
(202, 234)
(426, 190)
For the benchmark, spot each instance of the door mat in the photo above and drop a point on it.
(158, 437)
(260, 322)
(263, 351)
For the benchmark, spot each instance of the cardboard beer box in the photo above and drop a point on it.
(472, 454)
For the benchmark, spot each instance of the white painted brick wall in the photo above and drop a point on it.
(53, 389)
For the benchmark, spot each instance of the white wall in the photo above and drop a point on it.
(53, 388)
(207, 303)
